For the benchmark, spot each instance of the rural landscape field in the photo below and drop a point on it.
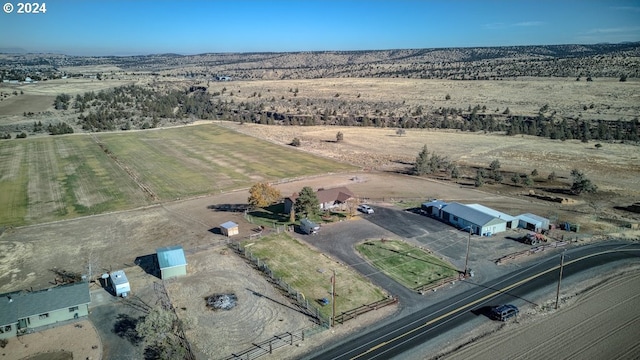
(104, 160)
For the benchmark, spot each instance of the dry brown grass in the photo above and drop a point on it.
(611, 99)
(383, 149)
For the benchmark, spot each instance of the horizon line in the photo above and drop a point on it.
(27, 52)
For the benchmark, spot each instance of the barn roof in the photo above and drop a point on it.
(492, 212)
(470, 214)
(532, 218)
(171, 256)
(18, 305)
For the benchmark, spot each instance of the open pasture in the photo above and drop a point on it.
(46, 179)
(50, 178)
(193, 160)
(308, 271)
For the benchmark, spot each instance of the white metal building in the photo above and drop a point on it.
(533, 222)
(512, 221)
(481, 223)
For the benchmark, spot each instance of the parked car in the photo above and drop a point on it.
(365, 209)
(504, 312)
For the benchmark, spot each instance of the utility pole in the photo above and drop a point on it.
(333, 299)
(466, 261)
(560, 278)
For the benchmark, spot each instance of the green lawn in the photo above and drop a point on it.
(309, 272)
(407, 264)
(58, 177)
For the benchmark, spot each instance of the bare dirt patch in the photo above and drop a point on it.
(261, 312)
(80, 339)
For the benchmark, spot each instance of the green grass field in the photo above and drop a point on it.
(57, 177)
(309, 272)
(408, 265)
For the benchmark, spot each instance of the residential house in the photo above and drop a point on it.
(27, 310)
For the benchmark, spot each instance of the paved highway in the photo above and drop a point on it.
(421, 326)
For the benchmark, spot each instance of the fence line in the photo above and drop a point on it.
(436, 284)
(267, 346)
(531, 251)
(353, 313)
(163, 298)
(287, 290)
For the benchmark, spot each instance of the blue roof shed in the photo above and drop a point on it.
(172, 261)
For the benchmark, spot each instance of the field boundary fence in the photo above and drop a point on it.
(266, 347)
(165, 301)
(436, 284)
(353, 313)
(296, 297)
(533, 250)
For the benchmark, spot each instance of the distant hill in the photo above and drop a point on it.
(12, 50)
(476, 63)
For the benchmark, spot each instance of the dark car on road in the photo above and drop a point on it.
(504, 312)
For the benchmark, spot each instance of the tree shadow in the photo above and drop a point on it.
(149, 263)
(153, 352)
(125, 327)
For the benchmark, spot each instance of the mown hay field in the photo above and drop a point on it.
(51, 178)
(309, 272)
(408, 265)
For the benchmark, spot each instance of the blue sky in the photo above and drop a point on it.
(103, 27)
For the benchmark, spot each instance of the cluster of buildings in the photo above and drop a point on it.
(482, 220)
(24, 311)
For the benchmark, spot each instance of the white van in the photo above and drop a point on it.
(308, 227)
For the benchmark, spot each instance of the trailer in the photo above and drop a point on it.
(119, 283)
(308, 227)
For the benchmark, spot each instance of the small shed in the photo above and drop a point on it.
(171, 261)
(119, 283)
(433, 208)
(229, 228)
(533, 222)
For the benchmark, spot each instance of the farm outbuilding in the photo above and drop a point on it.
(229, 228)
(26, 310)
(433, 208)
(533, 222)
(512, 221)
(119, 283)
(171, 261)
(480, 223)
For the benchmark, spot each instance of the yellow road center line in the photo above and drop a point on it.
(505, 289)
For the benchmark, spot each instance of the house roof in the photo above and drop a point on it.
(18, 305)
(471, 215)
(229, 225)
(492, 212)
(340, 194)
(171, 256)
